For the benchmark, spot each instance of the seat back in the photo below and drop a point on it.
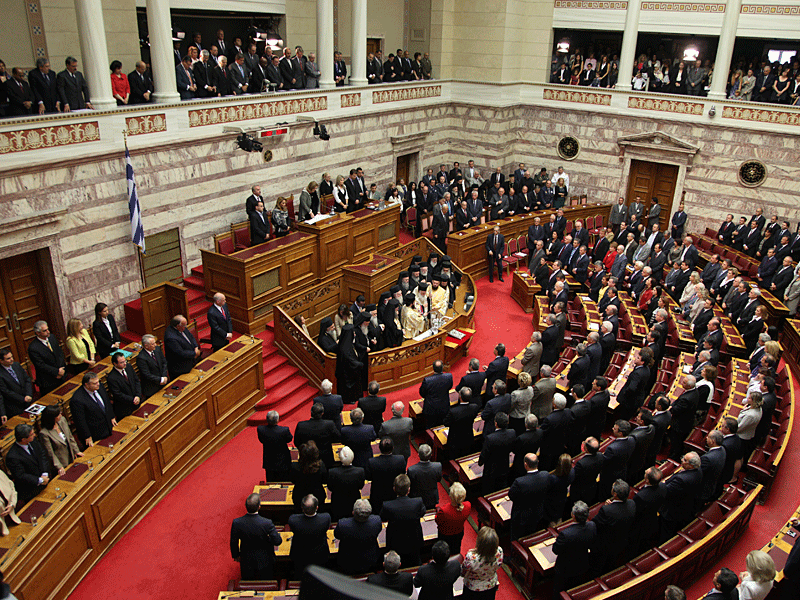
(327, 201)
(289, 206)
(224, 243)
(598, 221)
(589, 223)
(241, 234)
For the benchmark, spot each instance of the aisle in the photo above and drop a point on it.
(180, 550)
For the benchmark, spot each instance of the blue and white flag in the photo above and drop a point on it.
(137, 231)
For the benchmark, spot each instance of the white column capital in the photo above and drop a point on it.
(92, 35)
(159, 26)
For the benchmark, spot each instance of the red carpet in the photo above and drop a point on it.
(180, 549)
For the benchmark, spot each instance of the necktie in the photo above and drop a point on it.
(13, 374)
(99, 400)
(183, 333)
(125, 375)
(47, 343)
(152, 355)
(495, 241)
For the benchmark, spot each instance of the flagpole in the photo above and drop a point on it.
(137, 232)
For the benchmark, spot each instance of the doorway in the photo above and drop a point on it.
(406, 165)
(374, 45)
(649, 179)
(24, 300)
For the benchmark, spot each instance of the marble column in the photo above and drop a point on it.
(159, 26)
(358, 67)
(94, 52)
(627, 56)
(727, 38)
(325, 42)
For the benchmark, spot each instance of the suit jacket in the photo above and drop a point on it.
(274, 76)
(436, 581)
(528, 494)
(240, 77)
(497, 248)
(323, 432)
(309, 540)
(733, 452)
(435, 391)
(179, 350)
(648, 501)
(139, 85)
(615, 464)
(474, 381)
(276, 457)
(494, 457)
(555, 428)
(222, 81)
(221, 325)
(381, 471)
(712, 464)
(72, 90)
(345, 485)
(579, 371)
(584, 486)
(581, 412)
(682, 491)
(531, 359)
(259, 228)
(25, 469)
(204, 77)
(495, 405)
(13, 391)
(643, 435)
(123, 391)
(614, 523)
(683, 410)
(661, 422)
(253, 541)
(572, 549)
(497, 369)
(654, 216)
(460, 436)
(398, 429)
(400, 582)
(151, 370)
(632, 394)
(184, 80)
(373, 407)
(105, 339)
(359, 438)
(550, 348)
(543, 392)
(527, 442)
(618, 214)
(47, 363)
(45, 90)
(61, 451)
(90, 420)
(425, 477)
(678, 223)
(358, 544)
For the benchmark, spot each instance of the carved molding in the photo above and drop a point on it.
(309, 346)
(692, 7)
(665, 105)
(579, 97)
(326, 290)
(769, 9)
(386, 358)
(589, 4)
(350, 100)
(760, 115)
(31, 220)
(146, 124)
(22, 140)
(255, 110)
(406, 93)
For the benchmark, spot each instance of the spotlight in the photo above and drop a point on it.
(563, 46)
(712, 111)
(248, 143)
(321, 131)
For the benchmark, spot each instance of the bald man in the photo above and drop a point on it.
(219, 319)
(398, 428)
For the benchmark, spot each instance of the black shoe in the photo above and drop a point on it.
(501, 279)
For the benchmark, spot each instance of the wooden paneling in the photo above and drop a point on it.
(160, 303)
(648, 179)
(228, 398)
(176, 442)
(111, 506)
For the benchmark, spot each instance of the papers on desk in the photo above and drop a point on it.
(593, 327)
(423, 336)
(686, 369)
(35, 409)
(318, 218)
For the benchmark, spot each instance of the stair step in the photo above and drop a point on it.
(274, 361)
(267, 351)
(193, 296)
(281, 377)
(197, 271)
(130, 337)
(302, 396)
(267, 336)
(199, 310)
(194, 282)
(270, 326)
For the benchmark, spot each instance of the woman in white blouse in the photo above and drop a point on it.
(757, 580)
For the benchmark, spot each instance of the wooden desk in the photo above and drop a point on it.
(440, 435)
(281, 595)
(415, 406)
(524, 289)
(638, 323)
(150, 457)
(468, 470)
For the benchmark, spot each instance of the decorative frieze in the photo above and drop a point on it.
(579, 96)
(690, 7)
(761, 115)
(665, 105)
(350, 100)
(406, 93)
(255, 110)
(146, 124)
(49, 137)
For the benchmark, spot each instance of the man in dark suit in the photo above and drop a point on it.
(527, 442)
(550, 336)
(276, 458)
(648, 501)
(614, 523)
(274, 74)
(581, 411)
(355, 195)
(391, 577)
(435, 393)
(152, 367)
(500, 402)
(16, 387)
(322, 431)
(661, 420)
(579, 370)
(309, 536)
(358, 540)
(345, 483)
(725, 582)
(73, 92)
(678, 223)
(27, 464)
(45, 90)
(298, 69)
(425, 477)
(617, 455)
(783, 277)
(141, 84)
(473, 380)
(497, 369)
(253, 541)
(358, 437)
(259, 225)
(333, 405)
(607, 344)
(555, 428)
(124, 386)
(181, 348)
(643, 433)
(495, 246)
(398, 429)
(223, 83)
(258, 76)
(436, 578)
(599, 402)
(403, 526)
(712, 464)
(373, 406)
(528, 493)
(184, 79)
(459, 420)
(47, 358)
(683, 491)
(494, 456)
(219, 319)
(92, 411)
(632, 394)
(381, 471)
(683, 410)
(587, 469)
(239, 75)
(572, 550)
(733, 452)
(340, 69)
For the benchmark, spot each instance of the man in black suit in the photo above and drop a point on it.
(725, 582)
(381, 471)
(579, 370)
(436, 578)
(309, 536)
(555, 428)
(712, 464)
(239, 75)
(92, 410)
(181, 348)
(391, 577)
(258, 76)
(495, 246)
(355, 195)
(47, 358)
(20, 97)
(253, 541)
(333, 405)
(221, 79)
(497, 369)
(358, 436)
(345, 483)
(683, 491)
(16, 387)
(614, 523)
(219, 319)
(581, 411)
(662, 417)
(733, 452)
(73, 92)
(274, 75)
(358, 540)
(607, 344)
(587, 469)
(322, 431)
(27, 464)
(435, 393)
(152, 367)
(528, 493)
(403, 526)
(340, 69)
(276, 458)
(473, 380)
(572, 550)
(643, 433)
(459, 420)
(550, 335)
(527, 442)
(617, 455)
(124, 386)
(648, 501)
(497, 446)
(141, 84)
(425, 477)
(259, 224)
(500, 402)
(683, 409)
(599, 403)
(373, 406)
(632, 394)
(45, 90)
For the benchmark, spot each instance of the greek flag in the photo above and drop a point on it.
(137, 231)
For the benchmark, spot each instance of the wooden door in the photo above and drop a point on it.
(373, 45)
(648, 179)
(23, 302)
(403, 168)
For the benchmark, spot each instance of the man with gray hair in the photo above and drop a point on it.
(711, 465)
(332, 403)
(152, 367)
(425, 477)
(614, 523)
(92, 410)
(391, 578)
(555, 428)
(550, 338)
(180, 347)
(543, 392)
(253, 541)
(683, 491)
(43, 85)
(345, 483)
(219, 319)
(608, 342)
(531, 359)
(358, 540)
(473, 379)
(683, 409)
(398, 429)
(572, 550)
(47, 358)
(277, 460)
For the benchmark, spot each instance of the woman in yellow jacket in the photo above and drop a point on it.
(80, 346)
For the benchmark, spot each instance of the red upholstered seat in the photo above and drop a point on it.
(647, 561)
(583, 592)
(618, 577)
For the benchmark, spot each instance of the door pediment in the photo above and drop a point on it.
(657, 146)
